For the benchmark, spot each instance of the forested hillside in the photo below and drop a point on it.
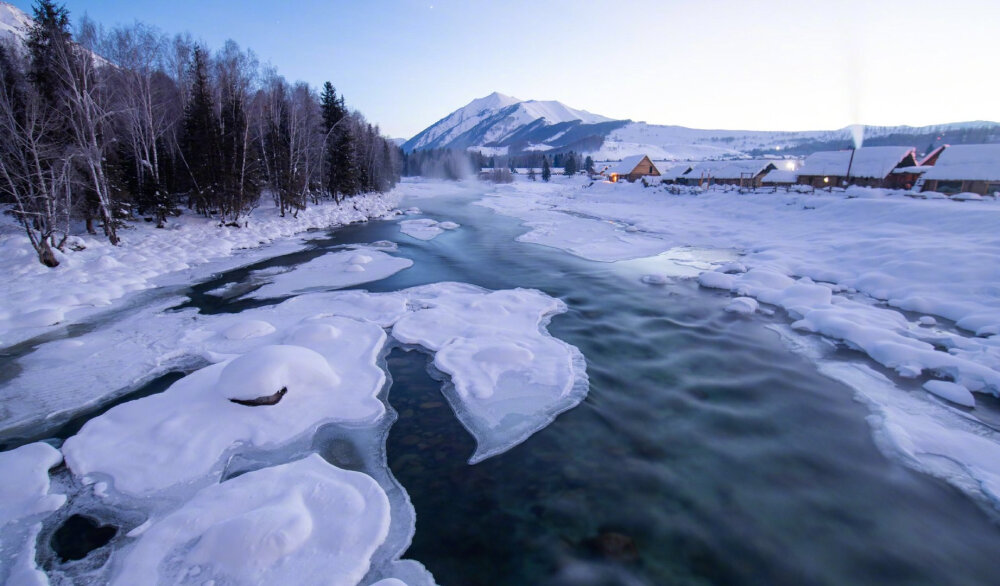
(126, 124)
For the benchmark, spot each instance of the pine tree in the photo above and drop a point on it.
(588, 164)
(569, 164)
(344, 165)
(335, 179)
(200, 145)
(49, 39)
(546, 170)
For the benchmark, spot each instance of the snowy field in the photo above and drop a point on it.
(912, 284)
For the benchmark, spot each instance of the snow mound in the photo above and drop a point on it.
(743, 305)
(24, 482)
(178, 439)
(248, 329)
(950, 391)
(268, 370)
(312, 333)
(305, 522)
(448, 225)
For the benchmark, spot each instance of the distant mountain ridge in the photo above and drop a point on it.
(503, 125)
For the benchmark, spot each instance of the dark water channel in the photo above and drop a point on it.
(705, 453)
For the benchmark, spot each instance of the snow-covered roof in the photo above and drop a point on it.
(781, 176)
(876, 162)
(676, 171)
(971, 162)
(730, 169)
(917, 169)
(627, 165)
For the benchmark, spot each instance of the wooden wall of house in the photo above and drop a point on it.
(980, 187)
(645, 167)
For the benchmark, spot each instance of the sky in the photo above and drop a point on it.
(732, 64)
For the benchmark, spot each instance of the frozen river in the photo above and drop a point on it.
(705, 452)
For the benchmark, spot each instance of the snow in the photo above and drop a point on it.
(872, 162)
(334, 270)
(951, 391)
(743, 305)
(25, 498)
(781, 176)
(323, 353)
(729, 169)
(461, 120)
(974, 162)
(510, 378)
(178, 438)
(248, 329)
(627, 165)
(306, 522)
(13, 22)
(555, 112)
(425, 228)
(204, 464)
(24, 482)
(90, 280)
(848, 266)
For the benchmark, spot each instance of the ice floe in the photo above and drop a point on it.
(425, 228)
(305, 522)
(334, 270)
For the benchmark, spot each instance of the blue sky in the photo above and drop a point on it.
(769, 65)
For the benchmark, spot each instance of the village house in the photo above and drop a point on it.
(745, 173)
(866, 166)
(632, 168)
(675, 173)
(973, 168)
(779, 178)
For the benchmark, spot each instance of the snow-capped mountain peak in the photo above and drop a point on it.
(14, 22)
(495, 117)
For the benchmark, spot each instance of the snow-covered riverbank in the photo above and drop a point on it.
(36, 297)
(914, 284)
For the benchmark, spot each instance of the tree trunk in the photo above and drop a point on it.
(45, 254)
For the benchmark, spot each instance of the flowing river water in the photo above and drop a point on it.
(705, 453)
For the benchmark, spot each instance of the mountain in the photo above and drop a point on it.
(503, 125)
(14, 25)
(499, 122)
(13, 22)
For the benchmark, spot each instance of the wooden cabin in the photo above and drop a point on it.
(744, 173)
(912, 177)
(779, 178)
(973, 168)
(676, 173)
(866, 166)
(632, 168)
